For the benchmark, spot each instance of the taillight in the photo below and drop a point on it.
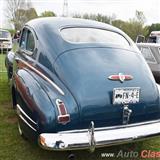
(63, 116)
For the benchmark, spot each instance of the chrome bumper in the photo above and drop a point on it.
(98, 137)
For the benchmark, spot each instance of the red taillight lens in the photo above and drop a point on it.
(63, 117)
(62, 108)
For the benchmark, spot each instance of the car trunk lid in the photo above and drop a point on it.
(86, 73)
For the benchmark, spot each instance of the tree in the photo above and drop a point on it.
(11, 11)
(47, 14)
(31, 14)
(140, 17)
(119, 24)
(96, 17)
(133, 27)
(153, 27)
(136, 26)
(19, 12)
(77, 16)
(24, 16)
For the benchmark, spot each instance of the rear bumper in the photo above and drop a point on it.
(98, 137)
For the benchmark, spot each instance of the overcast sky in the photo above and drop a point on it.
(123, 9)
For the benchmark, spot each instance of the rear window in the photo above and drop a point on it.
(93, 35)
(4, 34)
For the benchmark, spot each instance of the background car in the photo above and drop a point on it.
(81, 84)
(154, 37)
(5, 40)
(151, 53)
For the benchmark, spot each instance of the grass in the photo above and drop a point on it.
(13, 147)
(2, 62)
(4, 89)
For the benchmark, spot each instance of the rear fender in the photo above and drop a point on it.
(68, 99)
(34, 101)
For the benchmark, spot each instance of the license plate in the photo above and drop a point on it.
(126, 95)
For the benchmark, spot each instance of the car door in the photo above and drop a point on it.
(24, 61)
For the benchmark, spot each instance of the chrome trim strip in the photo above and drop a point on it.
(158, 86)
(21, 110)
(27, 123)
(45, 77)
(113, 127)
(121, 77)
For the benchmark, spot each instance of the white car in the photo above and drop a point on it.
(5, 40)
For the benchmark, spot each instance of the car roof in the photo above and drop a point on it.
(48, 33)
(60, 22)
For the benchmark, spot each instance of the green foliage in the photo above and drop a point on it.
(97, 17)
(77, 16)
(19, 12)
(119, 24)
(133, 27)
(12, 31)
(23, 16)
(48, 14)
(31, 14)
(153, 27)
(4, 87)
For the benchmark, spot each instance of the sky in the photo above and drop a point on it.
(123, 9)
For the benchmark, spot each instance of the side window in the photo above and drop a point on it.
(23, 39)
(148, 55)
(30, 42)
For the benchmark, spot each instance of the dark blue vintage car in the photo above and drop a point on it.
(81, 84)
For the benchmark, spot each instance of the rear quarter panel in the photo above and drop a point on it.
(34, 100)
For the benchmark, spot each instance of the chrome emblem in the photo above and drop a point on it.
(121, 77)
(126, 114)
